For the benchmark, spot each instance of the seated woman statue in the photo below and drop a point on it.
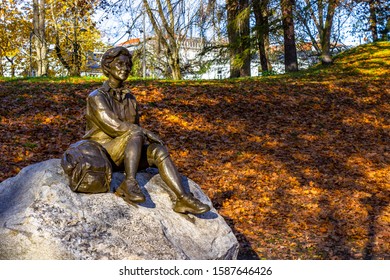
(113, 121)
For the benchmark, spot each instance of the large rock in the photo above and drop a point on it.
(41, 218)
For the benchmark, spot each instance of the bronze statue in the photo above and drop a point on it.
(113, 122)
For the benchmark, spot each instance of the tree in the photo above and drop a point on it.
(317, 19)
(14, 34)
(370, 16)
(211, 21)
(373, 20)
(165, 25)
(290, 50)
(238, 29)
(27, 28)
(262, 29)
(39, 32)
(73, 32)
(377, 14)
(170, 20)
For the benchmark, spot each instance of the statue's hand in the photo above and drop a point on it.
(152, 137)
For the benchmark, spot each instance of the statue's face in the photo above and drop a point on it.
(120, 68)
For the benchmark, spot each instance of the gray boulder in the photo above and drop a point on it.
(41, 218)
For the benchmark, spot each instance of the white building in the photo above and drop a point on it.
(194, 64)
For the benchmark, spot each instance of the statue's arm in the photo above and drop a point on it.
(102, 115)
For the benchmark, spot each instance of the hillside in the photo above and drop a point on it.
(299, 164)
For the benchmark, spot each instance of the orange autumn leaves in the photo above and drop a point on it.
(284, 163)
(298, 165)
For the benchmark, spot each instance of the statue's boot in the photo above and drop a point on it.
(130, 191)
(185, 202)
(189, 204)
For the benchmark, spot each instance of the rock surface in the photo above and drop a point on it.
(41, 218)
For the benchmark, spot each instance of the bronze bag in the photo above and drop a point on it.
(88, 167)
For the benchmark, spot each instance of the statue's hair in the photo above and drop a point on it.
(111, 54)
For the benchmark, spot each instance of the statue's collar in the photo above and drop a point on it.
(118, 93)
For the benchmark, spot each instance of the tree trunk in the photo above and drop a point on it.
(166, 34)
(323, 24)
(76, 56)
(373, 20)
(1, 68)
(174, 64)
(268, 49)
(386, 30)
(260, 10)
(59, 54)
(246, 40)
(13, 66)
(239, 37)
(75, 70)
(233, 36)
(290, 50)
(40, 37)
(326, 57)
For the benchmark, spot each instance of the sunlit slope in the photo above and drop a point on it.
(371, 60)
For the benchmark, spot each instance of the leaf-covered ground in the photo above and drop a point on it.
(299, 165)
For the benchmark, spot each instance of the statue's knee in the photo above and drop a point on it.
(157, 153)
(160, 153)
